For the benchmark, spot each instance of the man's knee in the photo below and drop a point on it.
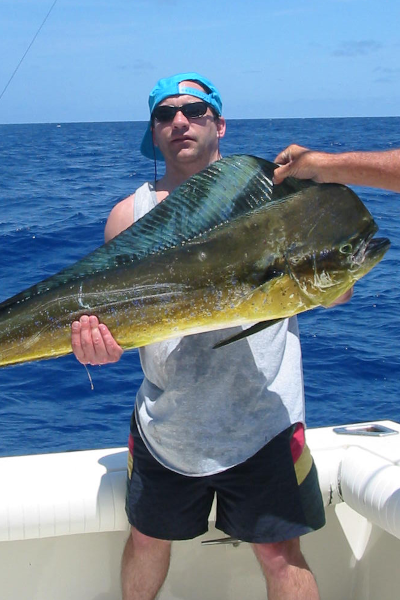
(144, 543)
(278, 555)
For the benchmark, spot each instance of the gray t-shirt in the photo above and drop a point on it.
(201, 411)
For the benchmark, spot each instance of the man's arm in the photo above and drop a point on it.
(373, 169)
(92, 342)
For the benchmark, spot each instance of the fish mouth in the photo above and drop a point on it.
(372, 250)
(377, 246)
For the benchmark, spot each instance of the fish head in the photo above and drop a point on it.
(336, 247)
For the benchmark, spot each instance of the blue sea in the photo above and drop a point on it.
(58, 183)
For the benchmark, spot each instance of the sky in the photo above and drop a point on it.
(97, 60)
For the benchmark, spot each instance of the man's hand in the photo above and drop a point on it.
(346, 297)
(92, 342)
(299, 162)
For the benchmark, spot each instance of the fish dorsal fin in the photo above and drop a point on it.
(222, 191)
(226, 189)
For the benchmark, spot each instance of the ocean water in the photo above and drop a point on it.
(58, 182)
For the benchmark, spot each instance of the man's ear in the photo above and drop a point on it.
(221, 127)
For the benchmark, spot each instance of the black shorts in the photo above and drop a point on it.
(271, 497)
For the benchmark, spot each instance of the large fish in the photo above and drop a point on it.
(225, 248)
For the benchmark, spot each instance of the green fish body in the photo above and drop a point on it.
(225, 248)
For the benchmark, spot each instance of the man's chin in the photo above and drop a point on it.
(185, 154)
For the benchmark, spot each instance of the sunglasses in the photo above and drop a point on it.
(192, 110)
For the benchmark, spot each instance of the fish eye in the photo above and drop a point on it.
(346, 249)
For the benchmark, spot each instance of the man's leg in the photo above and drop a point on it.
(286, 571)
(145, 565)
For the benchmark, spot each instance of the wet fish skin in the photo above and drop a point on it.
(226, 248)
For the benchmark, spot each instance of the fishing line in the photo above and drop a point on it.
(27, 50)
(90, 378)
(155, 163)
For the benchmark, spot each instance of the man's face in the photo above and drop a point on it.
(184, 139)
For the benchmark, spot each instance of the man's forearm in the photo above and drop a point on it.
(374, 169)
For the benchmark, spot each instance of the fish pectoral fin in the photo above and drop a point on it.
(247, 332)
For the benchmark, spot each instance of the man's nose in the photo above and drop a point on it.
(179, 119)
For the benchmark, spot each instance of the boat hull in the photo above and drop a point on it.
(63, 528)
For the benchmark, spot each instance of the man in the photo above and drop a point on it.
(373, 169)
(226, 422)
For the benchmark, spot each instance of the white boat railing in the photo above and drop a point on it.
(361, 467)
(84, 492)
